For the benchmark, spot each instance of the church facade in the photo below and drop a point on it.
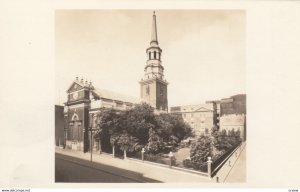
(84, 100)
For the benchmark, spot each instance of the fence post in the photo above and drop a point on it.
(171, 156)
(143, 151)
(209, 171)
(113, 151)
(125, 156)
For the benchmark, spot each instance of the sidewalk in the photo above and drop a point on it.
(238, 172)
(234, 170)
(163, 174)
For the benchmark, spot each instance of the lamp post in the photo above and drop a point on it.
(70, 126)
(99, 144)
(91, 143)
(65, 136)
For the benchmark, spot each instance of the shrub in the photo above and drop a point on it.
(155, 158)
(173, 161)
(200, 151)
(187, 163)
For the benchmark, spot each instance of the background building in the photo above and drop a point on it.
(234, 122)
(233, 114)
(225, 114)
(233, 105)
(59, 125)
(201, 117)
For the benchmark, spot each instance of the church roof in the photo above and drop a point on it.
(81, 83)
(106, 94)
(193, 108)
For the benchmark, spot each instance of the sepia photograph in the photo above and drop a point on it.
(150, 96)
(143, 95)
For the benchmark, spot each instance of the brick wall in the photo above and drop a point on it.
(59, 125)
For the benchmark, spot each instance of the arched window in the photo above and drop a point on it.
(75, 117)
(154, 54)
(149, 55)
(159, 55)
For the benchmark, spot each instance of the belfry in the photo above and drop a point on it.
(153, 84)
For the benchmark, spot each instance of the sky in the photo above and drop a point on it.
(203, 51)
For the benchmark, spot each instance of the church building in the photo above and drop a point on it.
(85, 100)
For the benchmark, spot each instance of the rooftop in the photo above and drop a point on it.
(193, 108)
(106, 94)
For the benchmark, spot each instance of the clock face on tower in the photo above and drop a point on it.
(75, 95)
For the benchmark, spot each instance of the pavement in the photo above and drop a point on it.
(238, 173)
(234, 169)
(182, 154)
(153, 171)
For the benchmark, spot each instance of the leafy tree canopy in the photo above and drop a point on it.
(140, 126)
(200, 151)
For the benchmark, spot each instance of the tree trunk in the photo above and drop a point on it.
(100, 148)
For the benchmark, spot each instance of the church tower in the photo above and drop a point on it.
(153, 85)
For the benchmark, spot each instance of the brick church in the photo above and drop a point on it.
(85, 100)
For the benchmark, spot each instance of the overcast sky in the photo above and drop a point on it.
(203, 51)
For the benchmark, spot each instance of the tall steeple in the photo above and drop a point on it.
(153, 66)
(153, 84)
(154, 40)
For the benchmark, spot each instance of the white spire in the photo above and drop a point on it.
(154, 40)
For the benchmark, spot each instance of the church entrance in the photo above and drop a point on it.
(75, 135)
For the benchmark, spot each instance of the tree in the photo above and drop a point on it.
(154, 142)
(225, 140)
(109, 123)
(142, 128)
(128, 143)
(172, 128)
(138, 121)
(200, 151)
